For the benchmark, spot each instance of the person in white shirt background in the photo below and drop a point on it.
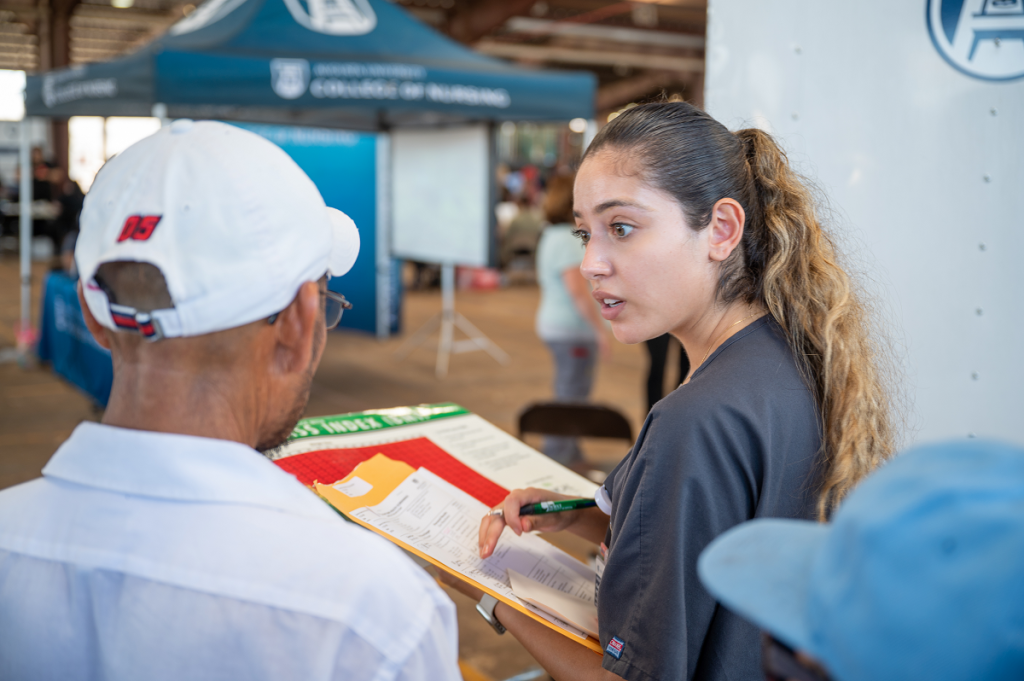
(160, 544)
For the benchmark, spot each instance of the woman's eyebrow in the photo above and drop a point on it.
(616, 203)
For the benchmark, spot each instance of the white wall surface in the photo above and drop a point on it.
(924, 164)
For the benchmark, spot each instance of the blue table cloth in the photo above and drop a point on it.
(66, 343)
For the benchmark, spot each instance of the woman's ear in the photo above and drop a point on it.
(725, 229)
(98, 331)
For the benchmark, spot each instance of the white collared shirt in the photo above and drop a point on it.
(144, 555)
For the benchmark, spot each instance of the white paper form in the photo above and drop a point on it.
(578, 612)
(481, 445)
(437, 518)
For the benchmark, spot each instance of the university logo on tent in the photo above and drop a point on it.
(982, 38)
(289, 77)
(334, 17)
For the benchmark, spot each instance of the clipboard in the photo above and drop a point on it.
(372, 481)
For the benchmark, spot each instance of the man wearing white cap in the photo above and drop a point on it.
(160, 544)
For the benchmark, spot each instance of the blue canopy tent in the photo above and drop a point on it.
(362, 65)
(355, 64)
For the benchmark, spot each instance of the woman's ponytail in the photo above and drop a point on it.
(785, 262)
(812, 298)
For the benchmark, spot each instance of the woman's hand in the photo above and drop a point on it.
(492, 525)
(460, 585)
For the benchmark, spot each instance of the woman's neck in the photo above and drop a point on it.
(711, 331)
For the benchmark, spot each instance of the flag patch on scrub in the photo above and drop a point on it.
(614, 647)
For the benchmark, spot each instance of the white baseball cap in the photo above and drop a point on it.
(230, 220)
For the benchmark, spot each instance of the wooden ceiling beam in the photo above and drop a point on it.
(468, 23)
(613, 34)
(621, 92)
(112, 15)
(18, 38)
(122, 32)
(565, 55)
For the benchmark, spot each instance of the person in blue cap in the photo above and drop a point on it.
(919, 576)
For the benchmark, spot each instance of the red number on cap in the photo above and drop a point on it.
(145, 228)
(129, 227)
(139, 227)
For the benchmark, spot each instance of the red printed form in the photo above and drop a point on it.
(330, 465)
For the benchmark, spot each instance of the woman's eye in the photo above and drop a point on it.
(581, 234)
(620, 230)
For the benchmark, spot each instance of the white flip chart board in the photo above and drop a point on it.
(441, 195)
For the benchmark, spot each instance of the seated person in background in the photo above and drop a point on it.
(919, 576)
(42, 190)
(522, 234)
(67, 254)
(160, 544)
(70, 198)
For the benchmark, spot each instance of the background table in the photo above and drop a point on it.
(66, 343)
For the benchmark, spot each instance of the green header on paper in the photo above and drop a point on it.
(375, 419)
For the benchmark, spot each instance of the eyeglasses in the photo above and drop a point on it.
(336, 306)
(780, 663)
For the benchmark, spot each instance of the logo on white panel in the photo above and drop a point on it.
(334, 17)
(982, 38)
(289, 77)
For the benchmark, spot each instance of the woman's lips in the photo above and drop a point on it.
(611, 306)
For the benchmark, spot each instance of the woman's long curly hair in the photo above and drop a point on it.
(785, 262)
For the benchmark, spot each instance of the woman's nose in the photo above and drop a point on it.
(594, 265)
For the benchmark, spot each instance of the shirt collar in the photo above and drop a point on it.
(735, 338)
(177, 467)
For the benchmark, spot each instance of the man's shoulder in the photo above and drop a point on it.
(319, 567)
(359, 578)
(21, 500)
(316, 564)
(324, 566)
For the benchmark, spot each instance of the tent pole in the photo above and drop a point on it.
(159, 110)
(383, 233)
(25, 235)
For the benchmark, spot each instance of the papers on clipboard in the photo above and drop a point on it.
(424, 476)
(439, 522)
(581, 613)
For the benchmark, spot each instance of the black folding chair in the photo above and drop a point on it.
(574, 420)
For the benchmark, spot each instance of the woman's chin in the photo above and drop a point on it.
(628, 335)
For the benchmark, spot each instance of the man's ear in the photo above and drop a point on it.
(294, 329)
(725, 229)
(98, 331)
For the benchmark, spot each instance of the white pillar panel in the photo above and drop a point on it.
(922, 161)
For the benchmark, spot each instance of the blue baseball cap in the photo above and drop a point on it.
(920, 575)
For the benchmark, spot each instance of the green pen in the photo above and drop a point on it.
(550, 507)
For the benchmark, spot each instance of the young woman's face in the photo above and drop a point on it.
(650, 273)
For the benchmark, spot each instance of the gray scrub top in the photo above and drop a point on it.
(739, 441)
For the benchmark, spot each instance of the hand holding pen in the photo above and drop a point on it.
(549, 507)
(513, 515)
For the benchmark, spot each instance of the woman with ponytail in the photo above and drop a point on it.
(710, 236)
